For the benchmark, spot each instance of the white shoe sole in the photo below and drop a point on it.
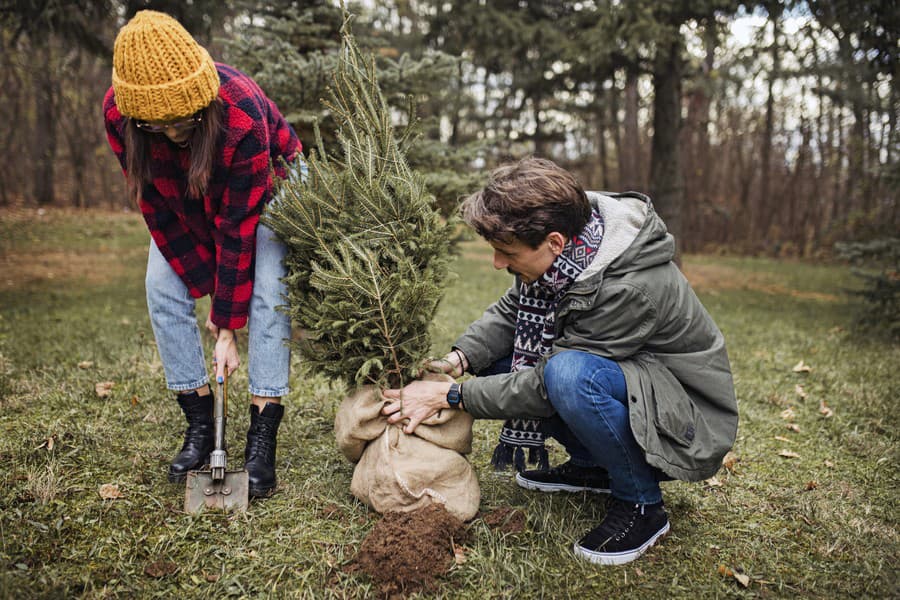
(618, 558)
(555, 487)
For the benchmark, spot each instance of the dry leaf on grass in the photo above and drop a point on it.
(459, 554)
(739, 576)
(793, 427)
(811, 485)
(104, 388)
(801, 367)
(781, 438)
(829, 464)
(729, 460)
(825, 410)
(160, 568)
(788, 414)
(714, 482)
(788, 454)
(85, 364)
(801, 393)
(110, 491)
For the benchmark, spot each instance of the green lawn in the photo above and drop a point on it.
(806, 508)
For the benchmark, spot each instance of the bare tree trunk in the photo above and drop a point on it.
(765, 207)
(666, 178)
(612, 126)
(629, 156)
(45, 125)
(602, 155)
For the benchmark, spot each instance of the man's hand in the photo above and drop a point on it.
(225, 354)
(454, 363)
(416, 402)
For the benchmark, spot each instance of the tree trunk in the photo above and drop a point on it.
(666, 178)
(629, 157)
(45, 125)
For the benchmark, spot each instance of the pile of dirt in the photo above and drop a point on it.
(407, 552)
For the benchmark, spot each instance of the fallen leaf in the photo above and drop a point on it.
(742, 578)
(110, 491)
(152, 417)
(714, 482)
(781, 438)
(638, 572)
(793, 427)
(829, 464)
(86, 364)
(104, 388)
(212, 577)
(459, 554)
(724, 571)
(788, 454)
(135, 400)
(811, 485)
(798, 389)
(825, 410)
(50, 443)
(788, 414)
(160, 568)
(800, 367)
(729, 460)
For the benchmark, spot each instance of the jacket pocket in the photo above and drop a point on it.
(674, 411)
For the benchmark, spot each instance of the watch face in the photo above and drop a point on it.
(453, 395)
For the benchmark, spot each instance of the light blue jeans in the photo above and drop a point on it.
(178, 334)
(591, 402)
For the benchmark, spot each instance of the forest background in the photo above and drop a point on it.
(764, 127)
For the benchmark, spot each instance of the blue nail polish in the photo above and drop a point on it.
(219, 379)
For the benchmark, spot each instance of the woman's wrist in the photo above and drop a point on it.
(225, 335)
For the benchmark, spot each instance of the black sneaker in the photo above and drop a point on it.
(567, 477)
(626, 532)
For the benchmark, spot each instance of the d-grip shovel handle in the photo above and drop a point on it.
(218, 460)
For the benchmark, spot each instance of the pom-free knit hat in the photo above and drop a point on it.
(160, 73)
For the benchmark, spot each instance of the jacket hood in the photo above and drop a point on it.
(634, 237)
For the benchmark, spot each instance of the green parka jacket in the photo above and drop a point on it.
(634, 306)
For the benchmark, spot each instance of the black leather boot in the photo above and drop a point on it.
(199, 437)
(259, 455)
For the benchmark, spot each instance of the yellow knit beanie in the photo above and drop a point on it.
(160, 73)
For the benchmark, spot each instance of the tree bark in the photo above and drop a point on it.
(43, 174)
(629, 158)
(666, 178)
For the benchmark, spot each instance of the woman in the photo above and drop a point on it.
(197, 141)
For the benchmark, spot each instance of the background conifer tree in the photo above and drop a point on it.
(367, 249)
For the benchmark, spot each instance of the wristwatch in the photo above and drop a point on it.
(454, 396)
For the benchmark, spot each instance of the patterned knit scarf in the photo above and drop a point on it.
(535, 331)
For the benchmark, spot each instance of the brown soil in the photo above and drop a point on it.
(406, 552)
(505, 520)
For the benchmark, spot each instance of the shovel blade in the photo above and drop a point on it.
(229, 494)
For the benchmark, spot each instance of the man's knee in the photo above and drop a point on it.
(563, 378)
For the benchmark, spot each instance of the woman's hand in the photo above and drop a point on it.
(417, 401)
(225, 354)
(212, 327)
(454, 364)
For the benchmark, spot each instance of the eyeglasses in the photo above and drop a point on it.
(182, 125)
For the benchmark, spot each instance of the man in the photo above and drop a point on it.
(609, 346)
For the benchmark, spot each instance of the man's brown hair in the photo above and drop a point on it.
(527, 200)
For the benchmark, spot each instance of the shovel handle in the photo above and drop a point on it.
(220, 412)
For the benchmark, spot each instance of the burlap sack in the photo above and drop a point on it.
(400, 472)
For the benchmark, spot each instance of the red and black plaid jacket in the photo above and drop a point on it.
(211, 242)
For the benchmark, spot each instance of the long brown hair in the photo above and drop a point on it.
(203, 153)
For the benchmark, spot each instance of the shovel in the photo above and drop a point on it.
(216, 487)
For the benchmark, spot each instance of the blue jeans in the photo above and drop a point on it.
(178, 335)
(591, 402)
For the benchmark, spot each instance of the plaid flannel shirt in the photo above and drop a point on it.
(210, 242)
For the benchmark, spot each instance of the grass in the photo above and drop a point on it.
(820, 524)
